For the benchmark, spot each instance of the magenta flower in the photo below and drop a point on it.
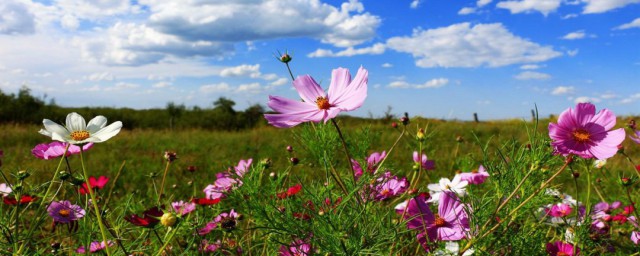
(421, 161)
(183, 208)
(96, 184)
(205, 246)
(296, 248)
(584, 133)
(476, 176)
(390, 186)
(65, 212)
(243, 167)
(56, 149)
(343, 95)
(560, 248)
(225, 220)
(450, 224)
(95, 247)
(225, 182)
(372, 163)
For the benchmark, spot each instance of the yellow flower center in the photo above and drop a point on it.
(440, 222)
(323, 103)
(80, 135)
(562, 254)
(385, 192)
(581, 135)
(64, 213)
(447, 187)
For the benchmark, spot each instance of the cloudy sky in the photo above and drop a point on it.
(434, 58)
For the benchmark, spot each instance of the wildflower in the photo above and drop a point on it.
(56, 149)
(205, 201)
(635, 137)
(243, 167)
(450, 224)
(24, 199)
(296, 248)
(343, 95)
(452, 249)
(79, 132)
(388, 186)
(65, 212)
(183, 208)
(191, 168)
(170, 156)
(149, 219)
(635, 237)
(95, 184)
(95, 246)
(168, 219)
(599, 163)
(475, 176)
(560, 248)
(584, 133)
(421, 161)
(285, 58)
(290, 191)
(457, 185)
(225, 182)
(559, 210)
(205, 246)
(372, 163)
(225, 220)
(5, 189)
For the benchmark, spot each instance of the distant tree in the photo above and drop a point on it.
(175, 111)
(224, 116)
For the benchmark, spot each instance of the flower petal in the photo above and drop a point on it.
(96, 124)
(584, 113)
(284, 105)
(75, 122)
(106, 133)
(308, 89)
(340, 79)
(51, 127)
(353, 96)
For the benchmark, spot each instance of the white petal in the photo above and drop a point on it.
(107, 132)
(434, 187)
(62, 137)
(444, 182)
(75, 122)
(96, 124)
(51, 127)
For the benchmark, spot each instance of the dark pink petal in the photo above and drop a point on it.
(584, 113)
(308, 89)
(418, 213)
(567, 119)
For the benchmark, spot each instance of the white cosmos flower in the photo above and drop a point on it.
(451, 249)
(79, 132)
(457, 185)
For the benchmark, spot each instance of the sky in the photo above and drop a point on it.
(430, 58)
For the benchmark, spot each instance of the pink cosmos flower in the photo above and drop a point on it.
(635, 237)
(422, 161)
(56, 149)
(560, 248)
(372, 163)
(65, 212)
(475, 176)
(95, 246)
(559, 210)
(450, 224)
(225, 182)
(390, 186)
(5, 189)
(183, 208)
(343, 95)
(243, 167)
(226, 220)
(584, 133)
(296, 248)
(205, 246)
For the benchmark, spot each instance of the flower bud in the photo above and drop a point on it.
(459, 139)
(404, 120)
(420, 135)
(273, 175)
(64, 175)
(170, 156)
(191, 168)
(265, 163)
(599, 163)
(23, 175)
(394, 125)
(294, 161)
(168, 219)
(289, 148)
(285, 58)
(632, 124)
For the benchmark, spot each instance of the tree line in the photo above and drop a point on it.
(25, 108)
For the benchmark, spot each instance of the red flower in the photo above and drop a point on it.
(290, 192)
(149, 218)
(24, 199)
(98, 183)
(205, 201)
(628, 210)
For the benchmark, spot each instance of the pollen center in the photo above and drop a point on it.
(581, 135)
(323, 103)
(64, 213)
(80, 135)
(440, 222)
(562, 254)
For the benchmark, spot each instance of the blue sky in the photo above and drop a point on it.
(439, 59)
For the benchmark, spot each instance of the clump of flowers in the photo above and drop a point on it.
(227, 221)
(95, 247)
(297, 248)
(372, 164)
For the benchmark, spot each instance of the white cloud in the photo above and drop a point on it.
(569, 16)
(543, 6)
(531, 75)
(608, 96)
(387, 65)
(251, 20)
(249, 88)
(102, 76)
(15, 18)
(481, 3)
(630, 98)
(600, 6)
(530, 66)
(69, 22)
(572, 53)
(375, 49)
(633, 24)
(561, 90)
(433, 83)
(584, 99)
(162, 84)
(463, 45)
(91, 10)
(466, 10)
(414, 4)
(244, 70)
(279, 82)
(215, 88)
(575, 35)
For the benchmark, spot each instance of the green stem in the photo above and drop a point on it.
(346, 150)
(290, 73)
(164, 176)
(94, 202)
